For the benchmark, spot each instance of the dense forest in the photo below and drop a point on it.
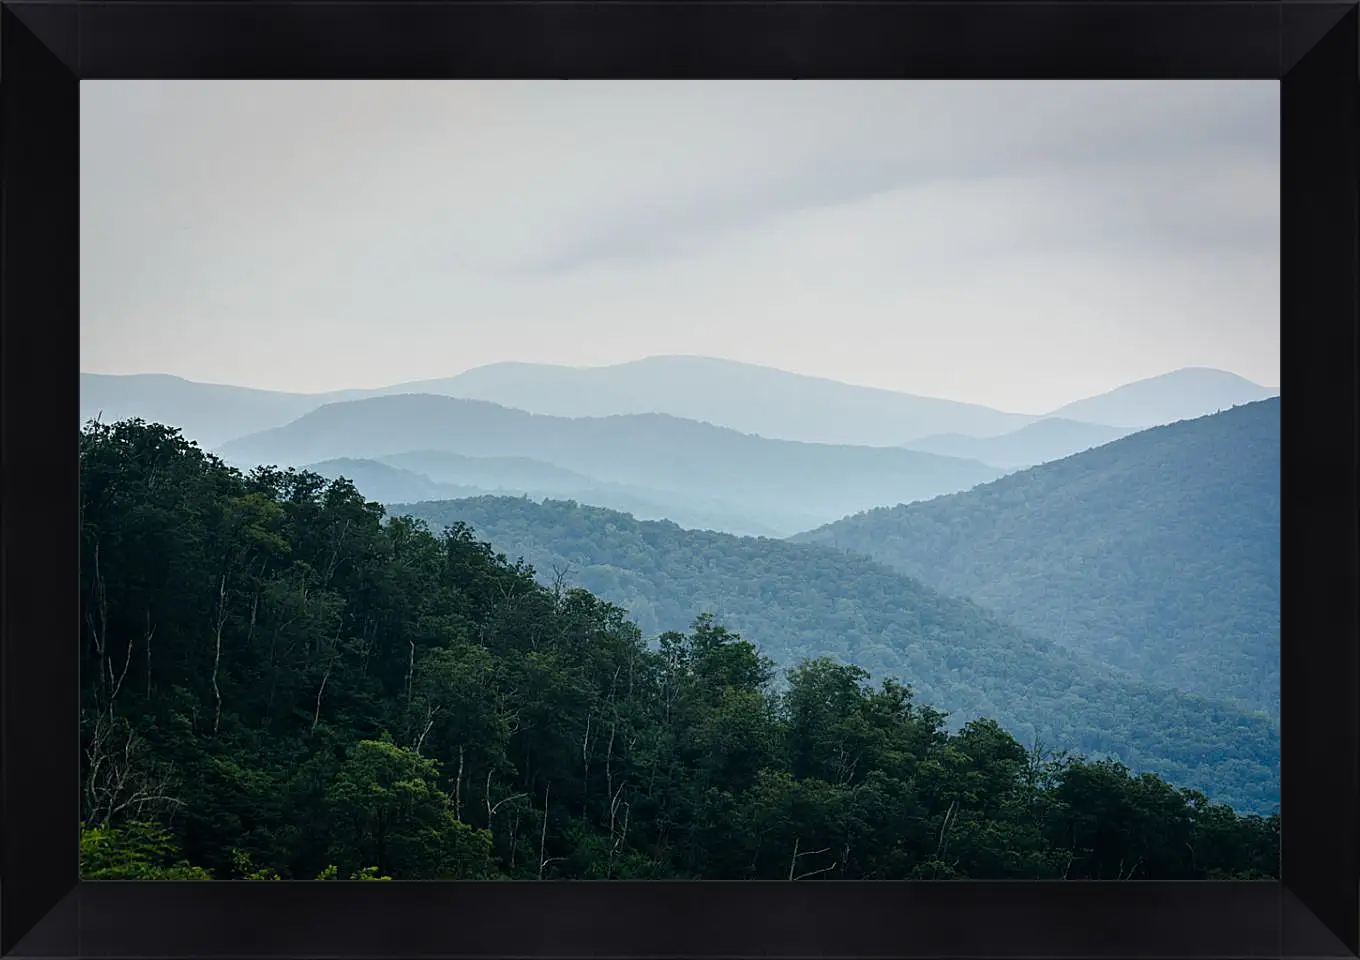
(279, 681)
(796, 601)
(1158, 553)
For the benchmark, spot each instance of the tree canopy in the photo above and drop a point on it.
(797, 601)
(280, 682)
(1158, 553)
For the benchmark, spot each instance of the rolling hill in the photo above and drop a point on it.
(208, 413)
(379, 480)
(775, 483)
(388, 484)
(1179, 395)
(746, 397)
(1049, 439)
(491, 473)
(797, 601)
(1158, 553)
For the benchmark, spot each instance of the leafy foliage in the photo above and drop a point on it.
(798, 601)
(1158, 553)
(276, 683)
(136, 851)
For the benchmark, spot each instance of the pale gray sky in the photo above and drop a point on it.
(1018, 244)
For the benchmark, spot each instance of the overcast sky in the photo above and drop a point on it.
(1018, 244)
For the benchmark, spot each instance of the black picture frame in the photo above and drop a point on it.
(47, 46)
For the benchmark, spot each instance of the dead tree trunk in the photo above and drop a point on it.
(410, 670)
(944, 827)
(217, 656)
(458, 788)
(585, 773)
(543, 861)
(150, 632)
(316, 717)
(430, 713)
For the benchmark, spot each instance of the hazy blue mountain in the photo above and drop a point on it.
(746, 397)
(388, 484)
(490, 473)
(799, 601)
(1179, 395)
(1158, 553)
(775, 483)
(522, 477)
(1049, 439)
(208, 413)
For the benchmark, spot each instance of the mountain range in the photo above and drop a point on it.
(450, 476)
(1093, 584)
(1158, 553)
(784, 485)
(1180, 395)
(797, 600)
(1051, 438)
(208, 413)
(742, 396)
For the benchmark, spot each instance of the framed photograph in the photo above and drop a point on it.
(629, 479)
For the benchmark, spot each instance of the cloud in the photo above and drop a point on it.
(863, 230)
(1159, 151)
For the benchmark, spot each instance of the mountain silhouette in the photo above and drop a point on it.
(1158, 553)
(779, 484)
(1179, 395)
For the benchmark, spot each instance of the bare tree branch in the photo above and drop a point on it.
(813, 873)
(490, 809)
(217, 656)
(793, 861)
(430, 713)
(410, 670)
(543, 836)
(458, 788)
(585, 760)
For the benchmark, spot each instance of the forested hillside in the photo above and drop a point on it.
(1158, 553)
(276, 683)
(796, 601)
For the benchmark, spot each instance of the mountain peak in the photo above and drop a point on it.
(1166, 398)
(1187, 513)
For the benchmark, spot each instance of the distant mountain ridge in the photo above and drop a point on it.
(1051, 438)
(208, 413)
(797, 601)
(746, 397)
(388, 484)
(1180, 395)
(777, 483)
(457, 477)
(1158, 553)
